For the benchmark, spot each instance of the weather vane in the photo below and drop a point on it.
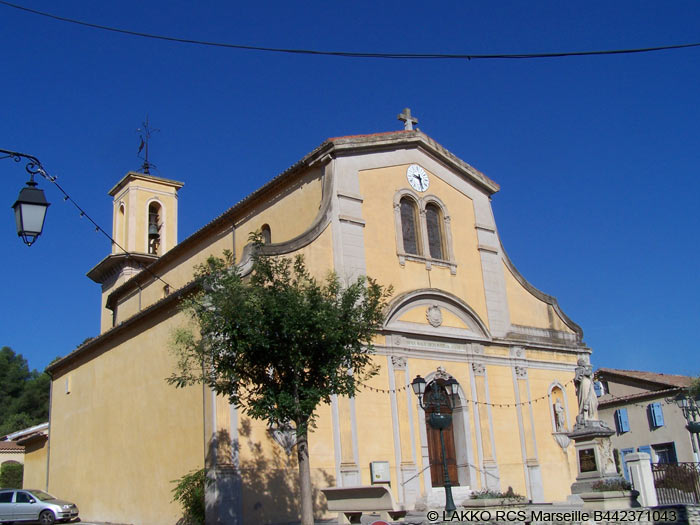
(145, 133)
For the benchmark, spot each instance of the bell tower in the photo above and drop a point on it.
(145, 214)
(144, 228)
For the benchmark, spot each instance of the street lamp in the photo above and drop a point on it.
(437, 397)
(690, 410)
(31, 205)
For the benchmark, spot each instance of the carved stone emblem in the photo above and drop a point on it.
(441, 373)
(398, 362)
(478, 368)
(517, 351)
(434, 315)
(285, 436)
(520, 372)
(397, 340)
(477, 349)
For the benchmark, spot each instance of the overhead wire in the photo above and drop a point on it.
(354, 54)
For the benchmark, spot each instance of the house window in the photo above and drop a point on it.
(665, 453)
(409, 221)
(622, 421)
(434, 223)
(423, 230)
(598, 387)
(656, 415)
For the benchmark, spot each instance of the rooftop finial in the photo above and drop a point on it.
(408, 120)
(145, 133)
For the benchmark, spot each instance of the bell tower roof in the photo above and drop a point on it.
(134, 176)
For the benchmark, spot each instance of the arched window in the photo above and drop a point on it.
(423, 230)
(409, 223)
(121, 226)
(154, 225)
(435, 235)
(266, 234)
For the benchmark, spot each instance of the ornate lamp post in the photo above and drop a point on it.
(435, 399)
(30, 207)
(690, 409)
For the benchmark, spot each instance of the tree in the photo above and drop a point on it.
(694, 388)
(278, 343)
(24, 395)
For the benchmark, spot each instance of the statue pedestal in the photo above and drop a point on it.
(594, 455)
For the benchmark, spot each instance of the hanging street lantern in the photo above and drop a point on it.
(31, 205)
(30, 212)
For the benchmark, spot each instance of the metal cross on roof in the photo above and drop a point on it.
(408, 120)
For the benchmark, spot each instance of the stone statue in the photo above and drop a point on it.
(559, 419)
(585, 391)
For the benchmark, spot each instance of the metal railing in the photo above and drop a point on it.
(677, 483)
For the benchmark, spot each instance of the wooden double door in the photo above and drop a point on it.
(434, 449)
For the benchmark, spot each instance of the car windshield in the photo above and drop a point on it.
(41, 495)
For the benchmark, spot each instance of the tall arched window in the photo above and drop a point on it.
(409, 223)
(266, 233)
(121, 226)
(435, 234)
(423, 230)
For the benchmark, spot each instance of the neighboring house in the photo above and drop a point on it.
(638, 406)
(31, 448)
(396, 206)
(11, 452)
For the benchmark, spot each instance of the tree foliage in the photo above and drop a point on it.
(279, 343)
(24, 394)
(694, 389)
(189, 492)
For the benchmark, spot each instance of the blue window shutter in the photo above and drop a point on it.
(621, 420)
(625, 470)
(647, 449)
(657, 415)
(598, 388)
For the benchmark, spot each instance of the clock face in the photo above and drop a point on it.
(417, 177)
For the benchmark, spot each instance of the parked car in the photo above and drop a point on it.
(18, 505)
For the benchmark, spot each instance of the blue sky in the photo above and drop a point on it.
(597, 157)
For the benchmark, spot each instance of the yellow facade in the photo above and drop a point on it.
(460, 309)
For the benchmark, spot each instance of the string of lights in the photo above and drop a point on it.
(355, 54)
(483, 403)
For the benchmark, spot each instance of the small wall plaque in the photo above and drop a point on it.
(380, 472)
(586, 460)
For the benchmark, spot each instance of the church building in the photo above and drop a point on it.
(396, 206)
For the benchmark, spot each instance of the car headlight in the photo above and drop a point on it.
(67, 507)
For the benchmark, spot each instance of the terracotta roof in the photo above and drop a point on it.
(668, 380)
(605, 401)
(10, 446)
(331, 139)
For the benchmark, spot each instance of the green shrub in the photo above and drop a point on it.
(11, 474)
(189, 492)
(611, 484)
(494, 494)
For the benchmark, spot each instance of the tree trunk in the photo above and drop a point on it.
(307, 504)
